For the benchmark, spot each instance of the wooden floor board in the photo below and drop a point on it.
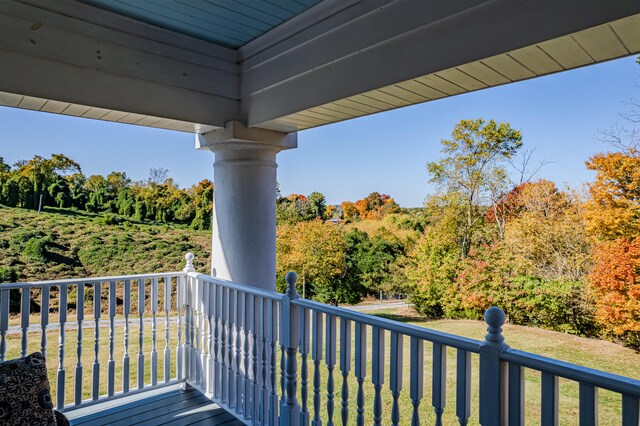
(170, 406)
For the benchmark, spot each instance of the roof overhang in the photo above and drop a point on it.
(337, 60)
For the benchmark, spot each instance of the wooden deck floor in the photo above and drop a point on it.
(168, 405)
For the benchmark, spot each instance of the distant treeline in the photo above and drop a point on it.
(59, 182)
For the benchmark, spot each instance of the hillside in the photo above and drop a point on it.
(62, 243)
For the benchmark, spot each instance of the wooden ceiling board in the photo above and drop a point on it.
(601, 43)
(422, 89)
(333, 112)
(509, 67)
(371, 102)
(536, 59)
(461, 79)
(358, 106)
(96, 113)
(440, 84)
(54, 107)
(483, 73)
(627, 31)
(29, 102)
(341, 108)
(10, 99)
(405, 94)
(566, 51)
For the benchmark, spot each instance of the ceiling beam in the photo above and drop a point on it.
(71, 52)
(363, 48)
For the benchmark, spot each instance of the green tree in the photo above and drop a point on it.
(473, 156)
(316, 251)
(318, 204)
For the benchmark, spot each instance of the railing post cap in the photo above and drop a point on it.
(495, 317)
(292, 279)
(189, 265)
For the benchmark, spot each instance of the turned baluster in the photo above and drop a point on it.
(395, 380)
(44, 319)
(4, 322)
(141, 308)
(305, 345)
(377, 373)
(79, 319)
(345, 366)
(62, 319)
(330, 361)
(290, 340)
(417, 378)
(97, 295)
(316, 355)
(111, 364)
(167, 311)
(25, 312)
(126, 308)
(360, 369)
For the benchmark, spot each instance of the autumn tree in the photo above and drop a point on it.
(349, 210)
(616, 282)
(613, 209)
(546, 235)
(473, 161)
(316, 251)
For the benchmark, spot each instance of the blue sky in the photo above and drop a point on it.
(559, 116)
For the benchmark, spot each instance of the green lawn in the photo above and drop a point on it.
(592, 353)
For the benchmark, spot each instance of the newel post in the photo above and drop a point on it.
(493, 375)
(187, 298)
(290, 339)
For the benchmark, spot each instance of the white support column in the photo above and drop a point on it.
(244, 209)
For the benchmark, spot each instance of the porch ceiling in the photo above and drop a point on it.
(230, 23)
(193, 65)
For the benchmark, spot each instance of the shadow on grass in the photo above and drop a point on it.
(70, 212)
(402, 318)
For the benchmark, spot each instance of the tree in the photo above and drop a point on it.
(316, 251)
(42, 172)
(546, 236)
(372, 260)
(318, 204)
(473, 159)
(202, 194)
(613, 210)
(158, 175)
(349, 211)
(616, 282)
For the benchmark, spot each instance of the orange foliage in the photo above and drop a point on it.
(349, 210)
(614, 208)
(616, 282)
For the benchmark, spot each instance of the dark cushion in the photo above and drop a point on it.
(61, 420)
(25, 398)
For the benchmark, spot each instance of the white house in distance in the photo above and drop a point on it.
(246, 75)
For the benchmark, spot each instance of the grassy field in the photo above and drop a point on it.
(592, 353)
(61, 243)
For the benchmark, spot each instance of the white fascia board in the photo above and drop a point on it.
(401, 40)
(72, 52)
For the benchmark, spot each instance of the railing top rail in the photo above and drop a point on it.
(601, 379)
(239, 287)
(446, 339)
(89, 280)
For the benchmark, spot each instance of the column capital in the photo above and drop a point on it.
(235, 135)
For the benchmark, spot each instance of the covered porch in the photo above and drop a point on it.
(187, 348)
(222, 346)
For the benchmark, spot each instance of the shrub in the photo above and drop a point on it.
(35, 249)
(556, 305)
